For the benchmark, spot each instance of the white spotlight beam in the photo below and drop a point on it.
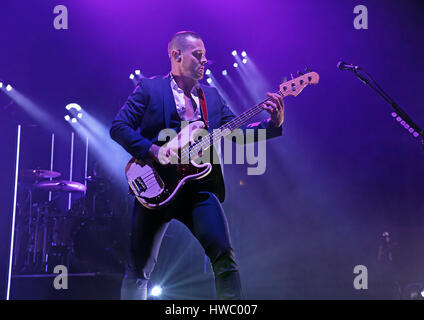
(156, 291)
(34, 110)
(75, 112)
(216, 84)
(133, 79)
(254, 83)
(113, 157)
(254, 73)
(242, 97)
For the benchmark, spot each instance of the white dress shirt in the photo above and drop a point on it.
(188, 109)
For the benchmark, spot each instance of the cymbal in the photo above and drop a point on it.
(61, 185)
(39, 174)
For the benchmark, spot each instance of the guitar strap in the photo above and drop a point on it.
(203, 106)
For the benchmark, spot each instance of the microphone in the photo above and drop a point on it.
(347, 66)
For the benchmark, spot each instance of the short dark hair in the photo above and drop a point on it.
(179, 40)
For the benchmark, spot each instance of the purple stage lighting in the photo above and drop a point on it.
(73, 106)
(74, 112)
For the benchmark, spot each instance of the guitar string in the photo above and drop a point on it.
(244, 117)
(213, 137)
(231, 125)
(237, 122)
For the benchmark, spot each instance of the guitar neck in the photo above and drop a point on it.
(243, 118)
(229, 127)
(288, 88)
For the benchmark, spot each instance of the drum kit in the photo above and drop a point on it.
(88, 237)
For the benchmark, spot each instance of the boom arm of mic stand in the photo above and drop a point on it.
(393, 104)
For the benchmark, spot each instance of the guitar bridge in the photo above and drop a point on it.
(139, 185)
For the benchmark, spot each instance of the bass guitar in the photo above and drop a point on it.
(156, 185)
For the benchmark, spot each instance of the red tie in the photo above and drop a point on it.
(203, 105)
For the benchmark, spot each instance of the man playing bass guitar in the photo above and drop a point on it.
(163, 102)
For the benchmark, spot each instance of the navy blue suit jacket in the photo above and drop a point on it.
(148, 110)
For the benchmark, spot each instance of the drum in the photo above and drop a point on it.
(61, 229)
(100, 244)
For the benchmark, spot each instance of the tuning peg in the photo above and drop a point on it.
(307, 69)
(291, 75)
(300, 73)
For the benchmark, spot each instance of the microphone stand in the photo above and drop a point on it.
(400, 115)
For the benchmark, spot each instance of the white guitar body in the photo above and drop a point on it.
(156, 185)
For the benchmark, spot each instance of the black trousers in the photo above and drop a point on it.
(202, 213)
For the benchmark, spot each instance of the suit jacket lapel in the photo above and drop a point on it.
(209, 104)
(168, 100)
(169, 105)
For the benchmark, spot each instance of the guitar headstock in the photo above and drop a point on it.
(295, 86)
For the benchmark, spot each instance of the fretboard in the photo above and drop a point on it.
(217, 134)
